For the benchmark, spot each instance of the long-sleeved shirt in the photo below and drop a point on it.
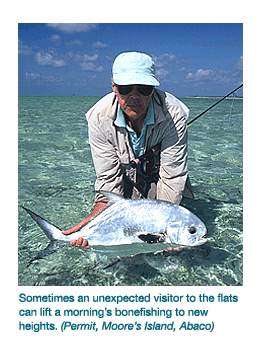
(110, 145)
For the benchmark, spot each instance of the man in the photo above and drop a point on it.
(138, 138)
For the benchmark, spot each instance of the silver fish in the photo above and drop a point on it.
(131, 226)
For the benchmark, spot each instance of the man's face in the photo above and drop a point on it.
(134, 104)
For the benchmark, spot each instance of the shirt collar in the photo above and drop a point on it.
(149, 118)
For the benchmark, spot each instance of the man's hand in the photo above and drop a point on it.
(83, 242)
(80, 242)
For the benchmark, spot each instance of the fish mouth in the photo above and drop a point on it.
(201, 240)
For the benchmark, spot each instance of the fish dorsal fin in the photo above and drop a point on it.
(112, 197)
(152, 237)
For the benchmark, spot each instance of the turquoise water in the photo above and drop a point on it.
(56, 180)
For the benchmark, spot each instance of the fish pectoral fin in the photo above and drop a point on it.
(152, 237)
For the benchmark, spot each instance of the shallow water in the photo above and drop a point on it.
(56, 180)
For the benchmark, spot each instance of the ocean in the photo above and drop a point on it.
(56, 181)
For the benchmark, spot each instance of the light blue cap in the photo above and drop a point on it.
(134, 68)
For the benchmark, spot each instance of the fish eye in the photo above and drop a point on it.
(192, 229)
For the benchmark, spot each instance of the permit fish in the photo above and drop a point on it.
(131, 226)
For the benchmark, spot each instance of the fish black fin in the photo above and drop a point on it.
(152, 237)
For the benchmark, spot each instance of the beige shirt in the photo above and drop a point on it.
(110, 145)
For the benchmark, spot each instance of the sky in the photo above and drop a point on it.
(203, 59)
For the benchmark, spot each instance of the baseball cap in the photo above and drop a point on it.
(134, 68)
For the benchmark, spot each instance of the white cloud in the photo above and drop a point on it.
(73, 42)
(55, 37)
(38, 78)
(200, 75)
(76, 57)
(24, 49)
(164, 60)
(99, 45)
(161, 63)
(82, 58)
(89, 66)
(90, 58)
(32, 76)
(72, 27)
(46, 59)
(239, 64)
(214, 77)
(162, 73)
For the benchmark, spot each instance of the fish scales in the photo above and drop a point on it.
(121, 223)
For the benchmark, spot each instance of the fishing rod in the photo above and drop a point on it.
(202, 113)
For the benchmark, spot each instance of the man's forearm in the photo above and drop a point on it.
(98, 207)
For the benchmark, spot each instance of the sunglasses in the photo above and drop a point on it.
(142, 89)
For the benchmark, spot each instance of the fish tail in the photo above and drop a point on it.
(52, 232)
